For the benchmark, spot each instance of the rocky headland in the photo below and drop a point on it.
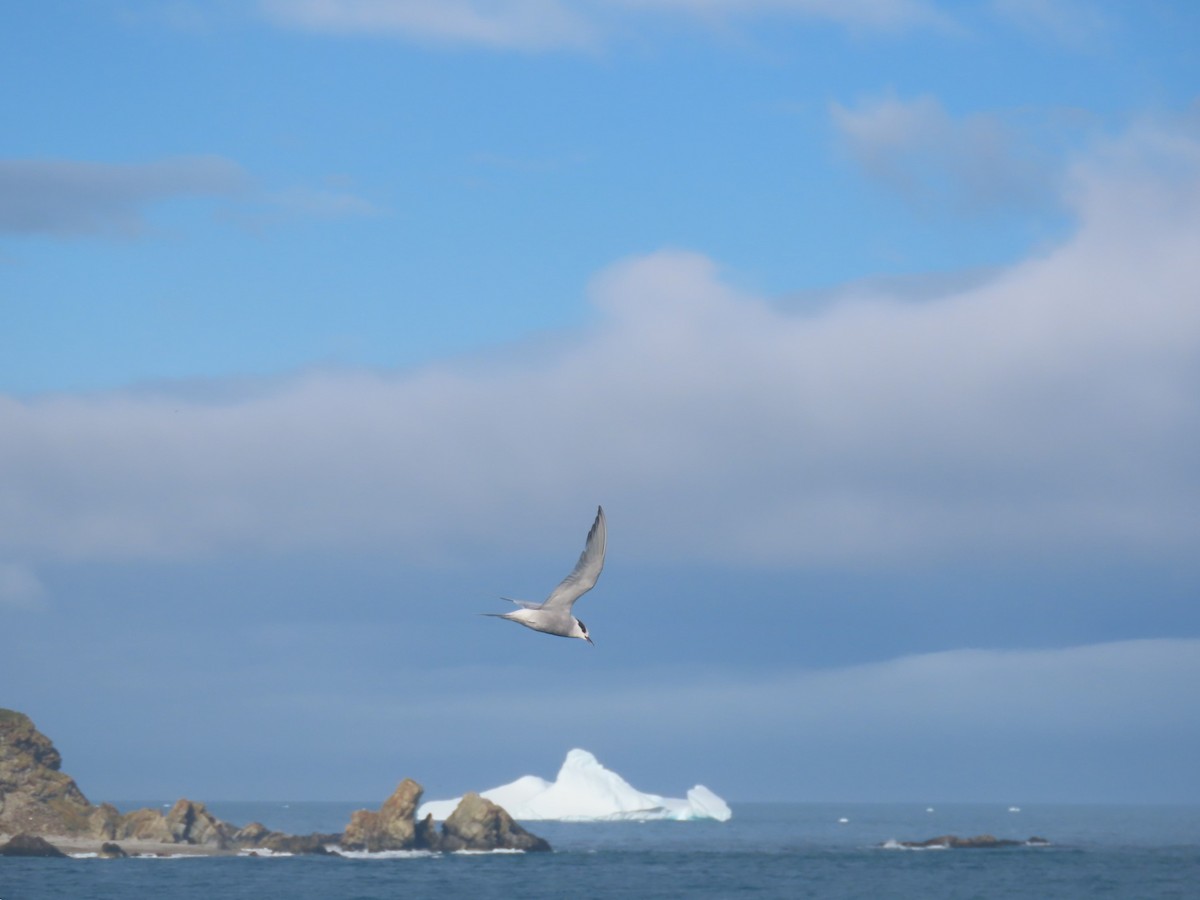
(43, 812)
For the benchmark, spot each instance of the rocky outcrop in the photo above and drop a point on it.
(479, 824)
(476, 824)
(393, 827)
(192, 823)
(35, 797)
(30, 845)
(257, 836)
(979, 842)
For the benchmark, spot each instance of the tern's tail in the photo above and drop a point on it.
(524, 604)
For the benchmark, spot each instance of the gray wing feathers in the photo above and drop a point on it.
(586, 571)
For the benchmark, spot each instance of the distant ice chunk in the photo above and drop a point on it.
(585, 791)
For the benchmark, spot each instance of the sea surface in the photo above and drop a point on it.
(766, 851)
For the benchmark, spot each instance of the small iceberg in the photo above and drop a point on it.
(585, 791)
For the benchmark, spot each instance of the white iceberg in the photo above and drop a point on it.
(585, 791)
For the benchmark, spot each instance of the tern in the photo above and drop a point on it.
(553, 615)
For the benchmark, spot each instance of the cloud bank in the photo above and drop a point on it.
(1054, 723)
(81, 198)
(70, 197)
(972, 165)
(1049, 410)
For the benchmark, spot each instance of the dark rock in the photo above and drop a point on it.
(310, 844)
(256, 836)
(30, 845)
(979, 842)
(109, 850)
(427, 836)
(479, 824)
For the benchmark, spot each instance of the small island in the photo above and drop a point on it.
(44, 813)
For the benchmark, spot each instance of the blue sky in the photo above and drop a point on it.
(874, 326)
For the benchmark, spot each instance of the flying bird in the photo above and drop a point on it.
(553, 616)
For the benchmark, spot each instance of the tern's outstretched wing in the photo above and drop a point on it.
(587, 570)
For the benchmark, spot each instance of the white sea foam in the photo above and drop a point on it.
(585, 791)
(385, 854)
(894, 844)
(166, 855)
(498, 850)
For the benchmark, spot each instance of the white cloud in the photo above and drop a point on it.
(1049, 410)
(542, 24)
(974, 164)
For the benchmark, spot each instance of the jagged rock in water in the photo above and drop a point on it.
(192, 823)
(35, 797)
(978, 842)
(251, 835)
(257, 836)
(479, 824)
(393, 827)
(109, 850)
(30, 845)
(315, 844)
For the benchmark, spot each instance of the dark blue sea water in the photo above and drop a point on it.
(766, 851)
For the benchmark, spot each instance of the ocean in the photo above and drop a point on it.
(767, 850)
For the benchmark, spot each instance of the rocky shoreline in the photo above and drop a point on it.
(38, 801)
